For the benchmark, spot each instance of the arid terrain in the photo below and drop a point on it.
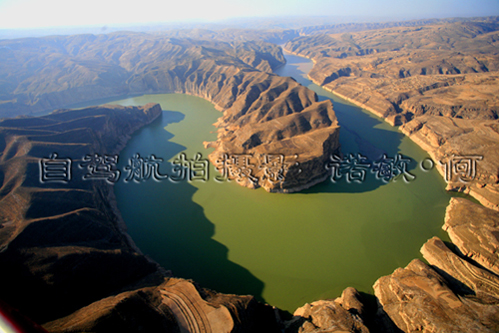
(262, 112)
(65, 241)
(438, 82)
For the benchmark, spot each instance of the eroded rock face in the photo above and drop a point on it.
(440, 82)
(417, 299)
(343, 314)
(468, 279)
(460, 291)
(473, 145)
(474, 230)
(448, 69)
(176, 305)
(133, 311)
(299, 143)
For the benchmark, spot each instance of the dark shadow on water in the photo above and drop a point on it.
(358, 135)
(173, 230)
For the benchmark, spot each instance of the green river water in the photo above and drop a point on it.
(286, 249)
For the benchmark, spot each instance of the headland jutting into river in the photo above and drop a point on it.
(81, 235)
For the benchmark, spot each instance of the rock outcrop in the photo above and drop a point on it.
(474, 230)
(64, 244)
(176, 305)
(457, 292)
(343, 314)
(465, 153)
(352, 312)
(440, 82)
(460, 291)
(265, 116)
(418, 299)
(462, 275)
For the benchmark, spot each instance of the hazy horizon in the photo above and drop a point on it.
(61, 14)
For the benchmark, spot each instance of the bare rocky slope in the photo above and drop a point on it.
(55, 236)
(64, 247)
(263, 114)
(439, 83)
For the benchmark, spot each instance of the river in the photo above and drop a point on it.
(286, 249)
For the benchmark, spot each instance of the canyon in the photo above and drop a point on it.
(439, 84)
(436, 81)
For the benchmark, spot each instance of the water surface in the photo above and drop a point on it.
(286, 249)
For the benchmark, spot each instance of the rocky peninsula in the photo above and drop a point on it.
(439, 84)
(85, 263)
(263, 114)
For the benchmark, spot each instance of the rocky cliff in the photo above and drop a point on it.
(440, 82)
(264, 115)
(458, 291)
(65, 247)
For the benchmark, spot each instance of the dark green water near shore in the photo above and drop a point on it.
(286, 249)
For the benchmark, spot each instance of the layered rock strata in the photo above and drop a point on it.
(459, 291)
(176, 305)
(465, 153)
(64, 246)
(440, 82)
(265, 116)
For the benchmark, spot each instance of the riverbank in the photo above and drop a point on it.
(441, 147)
(410, 295)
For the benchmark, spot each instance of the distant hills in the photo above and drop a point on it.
(66, 244)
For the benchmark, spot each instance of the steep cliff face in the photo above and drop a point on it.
(64, 244)
(465, 152)
(284, 123)
(58, 230)
(459, 290)
(439, 82)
